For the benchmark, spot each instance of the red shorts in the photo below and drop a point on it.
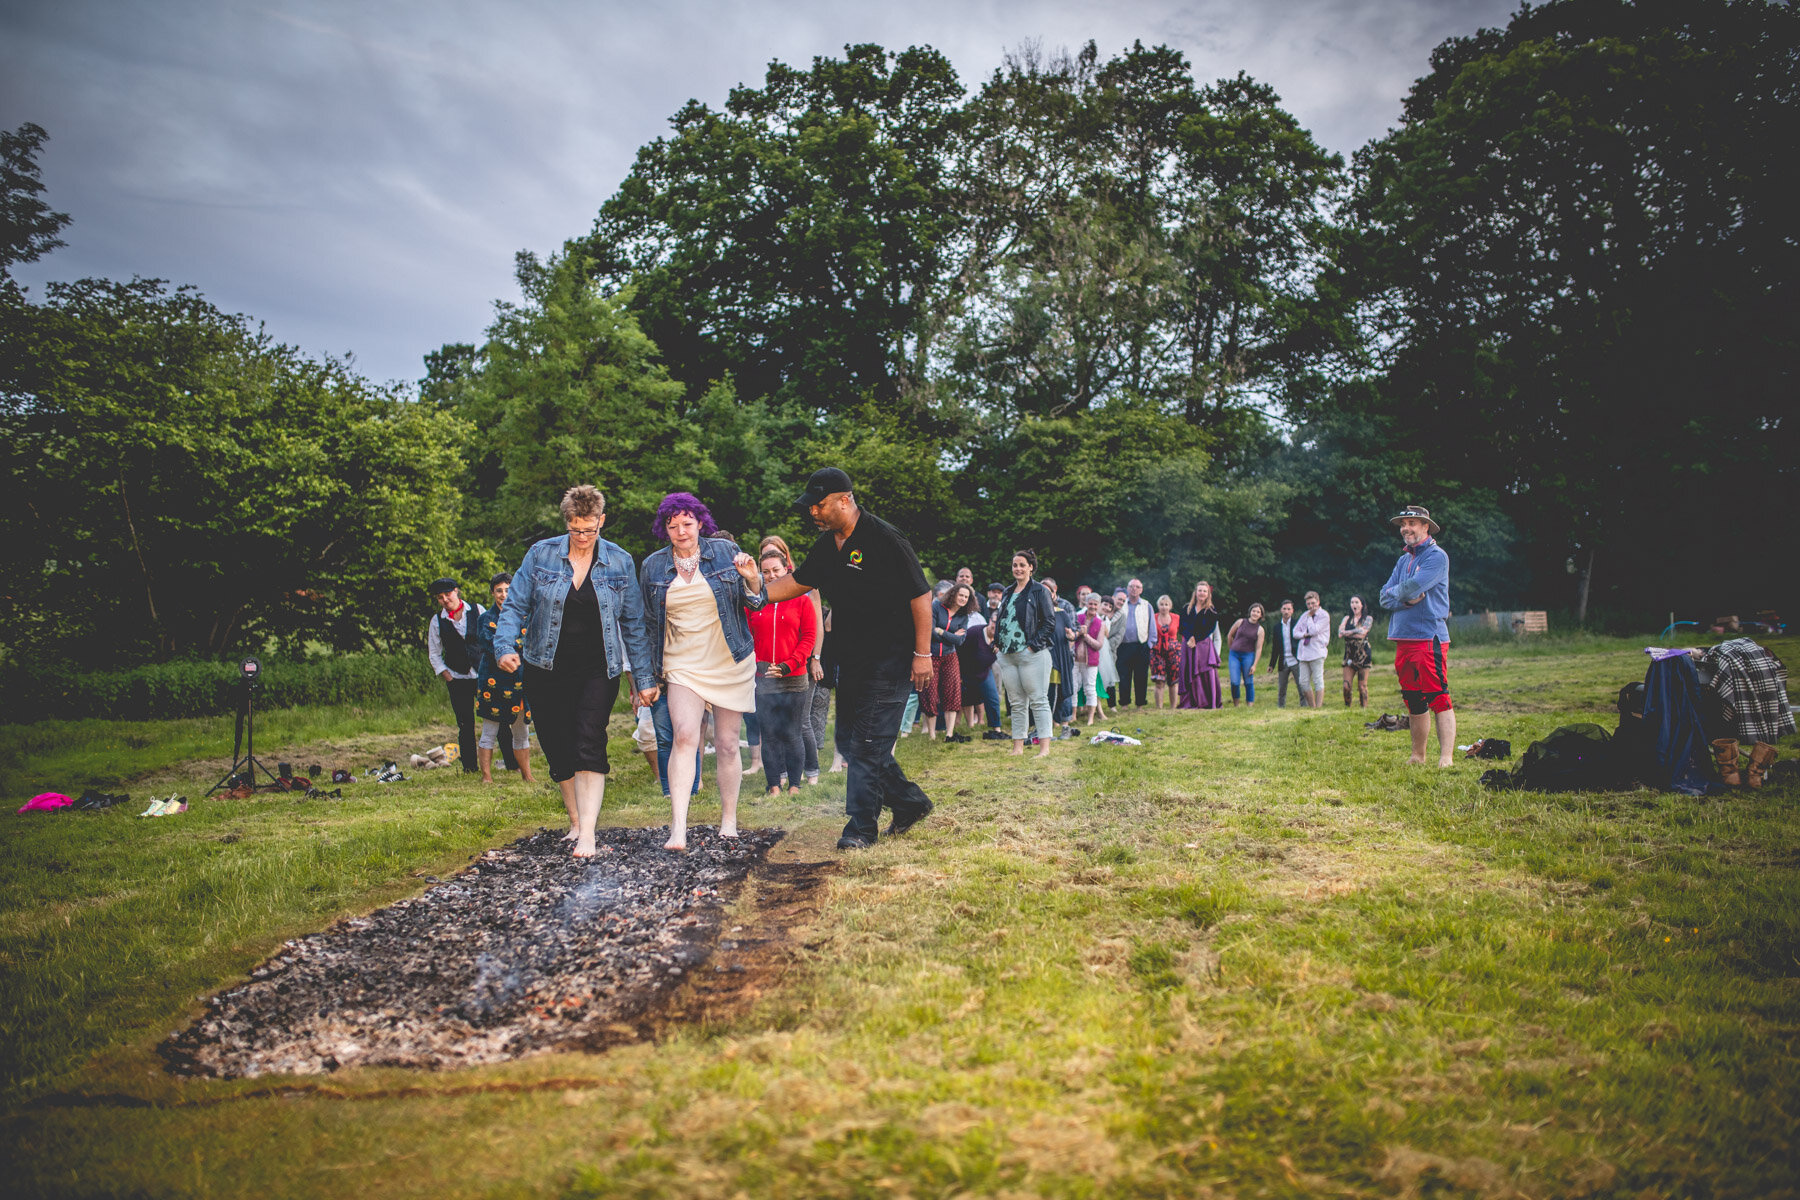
(1424, 671)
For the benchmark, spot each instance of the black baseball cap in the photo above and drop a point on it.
(823, 483)
(439, 586)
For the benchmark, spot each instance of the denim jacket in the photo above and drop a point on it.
(540, 587)
(729, 589)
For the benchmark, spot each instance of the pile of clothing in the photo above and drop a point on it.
(1746, 704)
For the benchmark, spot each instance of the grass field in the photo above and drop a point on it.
(1256, 956)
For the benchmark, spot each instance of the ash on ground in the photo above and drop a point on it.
(529, 950)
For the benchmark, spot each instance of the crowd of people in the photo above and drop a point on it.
(722, 645)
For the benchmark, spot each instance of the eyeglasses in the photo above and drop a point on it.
(574, 532)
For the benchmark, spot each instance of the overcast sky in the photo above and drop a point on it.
(359, 175)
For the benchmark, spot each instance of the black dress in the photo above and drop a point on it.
(573, 702)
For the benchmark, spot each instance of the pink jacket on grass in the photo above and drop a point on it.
(46, 802)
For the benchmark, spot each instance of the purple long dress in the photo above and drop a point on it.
(1199, 662)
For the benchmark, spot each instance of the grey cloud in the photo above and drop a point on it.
(359, 176)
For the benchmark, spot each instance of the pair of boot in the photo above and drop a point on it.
(1725, 756)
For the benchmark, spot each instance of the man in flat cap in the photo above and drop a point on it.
(450, 644)
(1418, 594)
(881, 635)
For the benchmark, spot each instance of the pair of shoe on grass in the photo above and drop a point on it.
(166, 808)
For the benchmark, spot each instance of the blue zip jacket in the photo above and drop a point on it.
(729, 590)
(540, 587)
(1423, 570)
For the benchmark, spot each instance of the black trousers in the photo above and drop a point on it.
(571, 709)
(1133, 660)
(868, 721)
(462, 703)
(780, 712)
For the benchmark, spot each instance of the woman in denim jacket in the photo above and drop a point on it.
(695, 591)
(574, 600)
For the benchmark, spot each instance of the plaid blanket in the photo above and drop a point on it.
(1751, 685)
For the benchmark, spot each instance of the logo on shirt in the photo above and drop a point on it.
(856, 558)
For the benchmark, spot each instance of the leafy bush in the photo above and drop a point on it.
(192, 688)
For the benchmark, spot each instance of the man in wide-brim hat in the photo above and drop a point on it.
(1418, 596)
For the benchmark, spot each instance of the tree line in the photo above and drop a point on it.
(1144, 324)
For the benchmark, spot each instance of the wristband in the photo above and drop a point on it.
(921, 654)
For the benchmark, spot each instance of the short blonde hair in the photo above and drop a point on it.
(582, 500)
(1312, 596)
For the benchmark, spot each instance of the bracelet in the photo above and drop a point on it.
(921, 654)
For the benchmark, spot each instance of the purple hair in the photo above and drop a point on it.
(676, 503)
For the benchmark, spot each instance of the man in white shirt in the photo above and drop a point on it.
(450, 645)
(1132, 654)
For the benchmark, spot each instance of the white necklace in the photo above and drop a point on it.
(687, 566)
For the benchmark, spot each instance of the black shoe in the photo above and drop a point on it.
(995, 735)
(851, 842)
(902, 823)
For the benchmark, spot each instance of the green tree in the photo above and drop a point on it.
(567, 389)
(187, 486)
(790, 240)
(1576, 259)
(28, 226)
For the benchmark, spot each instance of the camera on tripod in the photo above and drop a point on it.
(241, 779)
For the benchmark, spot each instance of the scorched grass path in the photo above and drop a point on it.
(1255, 956)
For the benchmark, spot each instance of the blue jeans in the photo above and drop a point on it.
(665, 742)
(1241, 662)
(990, 697)
(868, 721)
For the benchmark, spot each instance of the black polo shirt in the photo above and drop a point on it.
(870, 582)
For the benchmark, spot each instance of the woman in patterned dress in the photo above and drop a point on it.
(1354, 633)
(500, 696)
(1165, 653)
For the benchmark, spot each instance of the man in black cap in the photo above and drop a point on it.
(881, 636)
(449, 644)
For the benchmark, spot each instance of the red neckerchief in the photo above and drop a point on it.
(457, 615)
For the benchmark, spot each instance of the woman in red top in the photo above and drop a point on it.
(783, 634)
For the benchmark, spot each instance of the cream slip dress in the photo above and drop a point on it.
(694, 651)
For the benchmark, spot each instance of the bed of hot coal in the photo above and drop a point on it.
(529, 950)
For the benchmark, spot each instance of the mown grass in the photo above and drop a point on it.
(1255, 956)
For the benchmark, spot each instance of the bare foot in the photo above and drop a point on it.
(584, 848)
(1015, 753)
(1446, 762)
(1044, 753)
(672, 844)
(1416, 761)
(571, 835)
(487, 779)
(793, 791)
(725, 831)
(525, 777)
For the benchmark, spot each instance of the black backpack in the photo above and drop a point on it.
(1573, 758)
(1633, 742)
